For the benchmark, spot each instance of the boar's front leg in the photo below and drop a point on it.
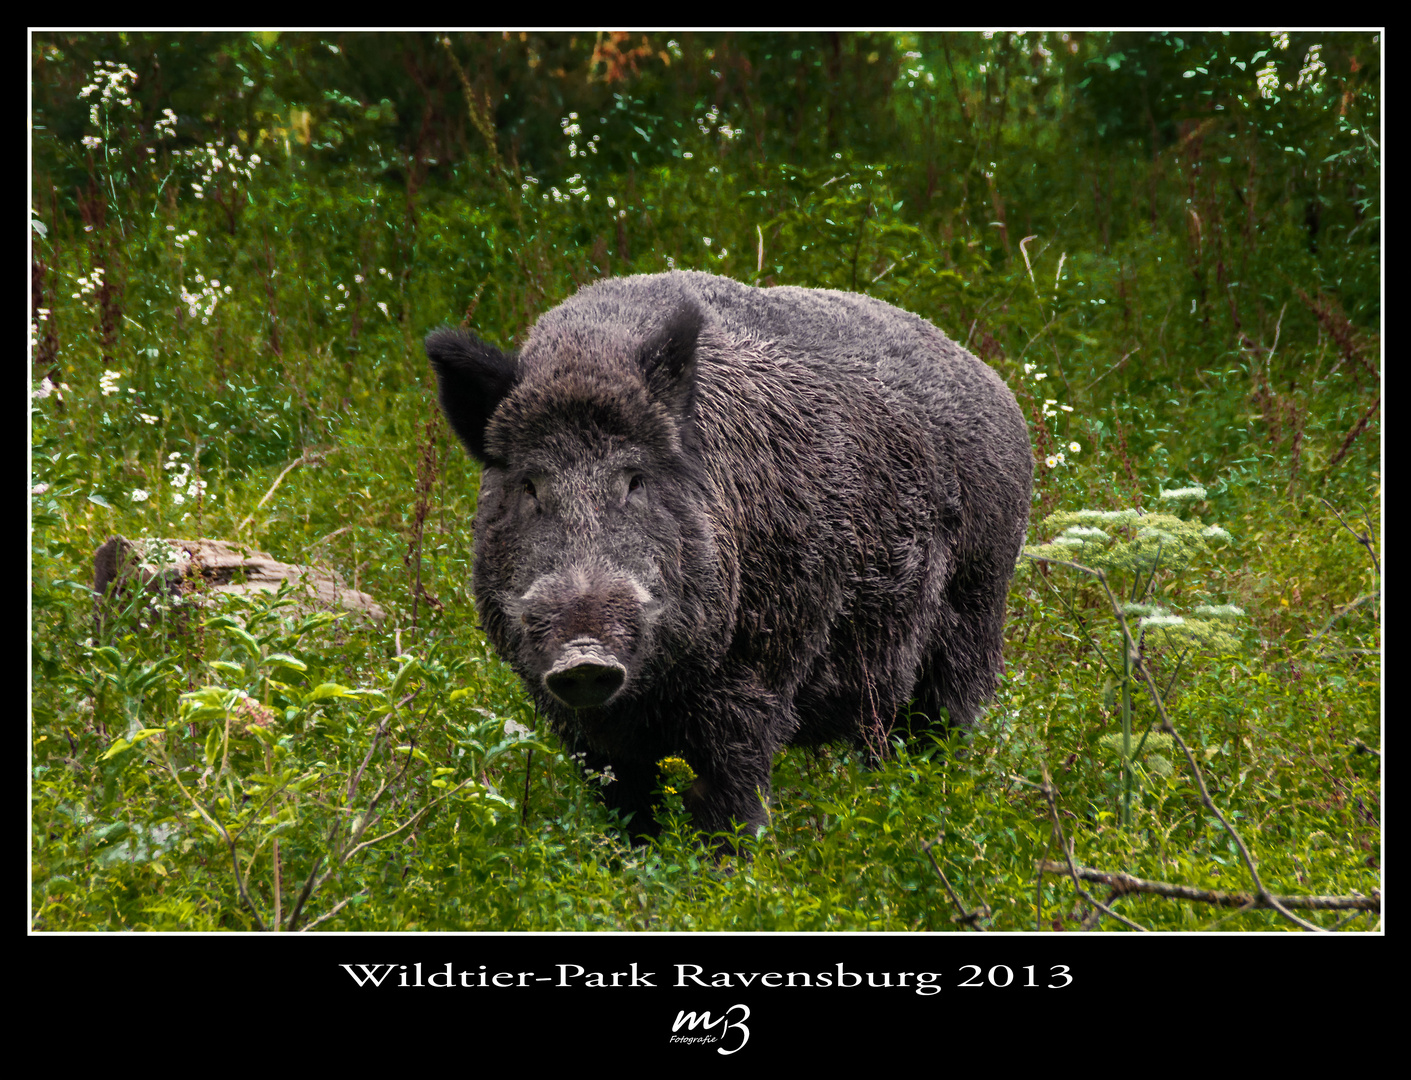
(728, 737)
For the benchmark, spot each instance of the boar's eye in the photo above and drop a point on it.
(529, 488)
(637, 483)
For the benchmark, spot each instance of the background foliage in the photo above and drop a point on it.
(1167, 244)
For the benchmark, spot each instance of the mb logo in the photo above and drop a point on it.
(712, 1030)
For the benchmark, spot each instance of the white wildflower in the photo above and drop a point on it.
(1195, 493)
(1220, 611)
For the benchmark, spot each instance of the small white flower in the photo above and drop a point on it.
(139, 495)
(147, 418)
(1194, 493)
(1224, 611)
(1162, 620)
(39, 489)
(1074, 447)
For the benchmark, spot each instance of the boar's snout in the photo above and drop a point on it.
(586, 631)
(585, 675)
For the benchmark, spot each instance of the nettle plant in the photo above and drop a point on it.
(1138, 557)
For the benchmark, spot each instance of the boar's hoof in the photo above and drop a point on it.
(586, 675)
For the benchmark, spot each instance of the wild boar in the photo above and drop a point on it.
(717, 519)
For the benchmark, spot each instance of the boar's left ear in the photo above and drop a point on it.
(669, 361)
(473, 379)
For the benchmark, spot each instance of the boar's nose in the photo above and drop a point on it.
(585, 675)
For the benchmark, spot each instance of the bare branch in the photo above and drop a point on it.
(1127, 883)
(306, 458)
(1365, 539)
(1050, 794)
(969, 918)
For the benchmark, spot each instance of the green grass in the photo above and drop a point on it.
(255, 767)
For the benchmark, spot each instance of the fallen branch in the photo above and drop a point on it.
(1122, 883)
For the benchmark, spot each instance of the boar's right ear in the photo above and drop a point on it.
(473, 379)
(669, 361)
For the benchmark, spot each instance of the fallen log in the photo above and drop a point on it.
(202, 572)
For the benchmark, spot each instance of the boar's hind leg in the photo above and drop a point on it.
(964, 668)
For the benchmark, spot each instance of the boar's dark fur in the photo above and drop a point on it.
(716, 519)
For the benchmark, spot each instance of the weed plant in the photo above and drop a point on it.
(239, 240)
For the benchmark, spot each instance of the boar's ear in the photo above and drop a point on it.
(473, 379)
(669, 362)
